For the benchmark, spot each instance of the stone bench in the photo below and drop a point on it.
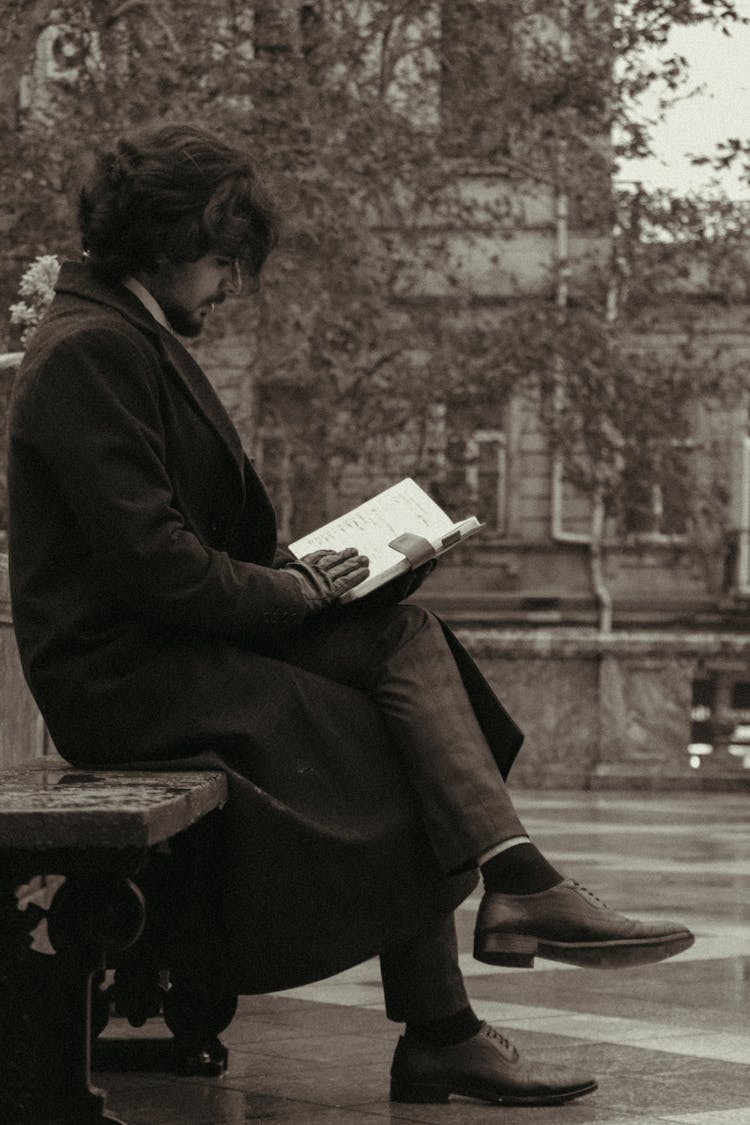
(82, 856)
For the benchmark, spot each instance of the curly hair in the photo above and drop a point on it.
(176, 193)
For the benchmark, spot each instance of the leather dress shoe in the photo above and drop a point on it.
(487, 1067)
(568, 923)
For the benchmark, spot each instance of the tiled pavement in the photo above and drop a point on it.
(669, 1043)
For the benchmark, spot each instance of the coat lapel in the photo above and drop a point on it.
(77, 278)
(194, 380)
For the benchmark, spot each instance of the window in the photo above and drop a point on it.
(742, 519)
(476, 56)
(476, 476)
(660, 508)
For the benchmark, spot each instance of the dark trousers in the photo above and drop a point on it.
(400, 657)
(421, 977)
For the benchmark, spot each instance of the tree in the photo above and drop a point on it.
(372, 118)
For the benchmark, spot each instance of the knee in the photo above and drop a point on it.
(402, 623)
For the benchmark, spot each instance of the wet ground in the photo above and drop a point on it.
(669, 1043)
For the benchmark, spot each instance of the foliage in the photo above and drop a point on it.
(37, 289)
(378, 125)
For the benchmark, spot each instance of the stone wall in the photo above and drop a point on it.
(609, 710)
(22, 734)
(9, 362)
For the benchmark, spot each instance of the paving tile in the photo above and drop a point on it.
(739, 1116)
(203, 1105)
(669, 1044)
(329, 1085)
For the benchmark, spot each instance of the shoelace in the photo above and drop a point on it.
(588, 893)
(492, 1033)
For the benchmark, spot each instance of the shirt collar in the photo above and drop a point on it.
(148, 300)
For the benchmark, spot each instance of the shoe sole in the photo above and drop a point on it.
(519, 950)
(422, 1093)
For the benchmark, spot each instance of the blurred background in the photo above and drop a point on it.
(514, 266)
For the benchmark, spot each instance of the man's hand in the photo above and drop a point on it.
(326, 575)
(395, 591)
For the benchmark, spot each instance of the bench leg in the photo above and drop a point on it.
(195, 1016)
(45, 1074)
(182, 938)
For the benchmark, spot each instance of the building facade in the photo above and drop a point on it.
(614, 625)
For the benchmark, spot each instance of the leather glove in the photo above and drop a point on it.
(325, 575)
(397, 590)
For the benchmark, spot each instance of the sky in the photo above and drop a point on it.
(721, 66)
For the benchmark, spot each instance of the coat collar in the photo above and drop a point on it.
(147, 299)
(78, 279)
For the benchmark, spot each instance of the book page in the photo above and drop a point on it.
(370, 527)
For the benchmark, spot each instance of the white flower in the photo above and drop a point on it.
(22, 314)
(37, 286)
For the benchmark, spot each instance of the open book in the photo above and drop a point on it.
(398, 530)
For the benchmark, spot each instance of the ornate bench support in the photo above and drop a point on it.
(96, 829)
(46, 1000)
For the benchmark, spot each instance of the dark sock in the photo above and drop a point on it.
(520, 870)
(447, 1030)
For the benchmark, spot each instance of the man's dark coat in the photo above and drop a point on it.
(144, 570)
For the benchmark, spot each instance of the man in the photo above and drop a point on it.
(159, 624)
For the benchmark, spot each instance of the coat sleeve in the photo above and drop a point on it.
(93, 413)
